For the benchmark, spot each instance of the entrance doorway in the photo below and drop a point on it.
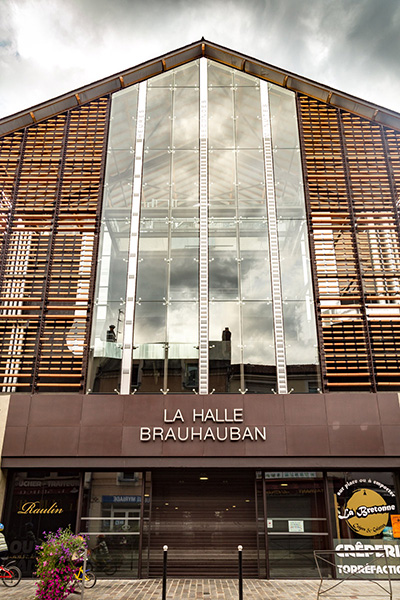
(202, 517)
(296, 522)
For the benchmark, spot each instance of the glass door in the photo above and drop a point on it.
(296, 522)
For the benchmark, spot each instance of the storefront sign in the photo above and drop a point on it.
(366, 511)
(213, 429)
(33, 508)
(356, 558)
(290, 474)
(116, 499)
(395, 525)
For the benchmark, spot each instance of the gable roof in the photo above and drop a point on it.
(186, 54)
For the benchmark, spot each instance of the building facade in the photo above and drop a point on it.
(200, 314)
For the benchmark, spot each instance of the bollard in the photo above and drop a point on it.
(240, 549)
(84, 572)
(164, 580)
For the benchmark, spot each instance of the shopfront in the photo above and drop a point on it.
(279, 517)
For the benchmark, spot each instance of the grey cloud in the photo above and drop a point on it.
(352, 45)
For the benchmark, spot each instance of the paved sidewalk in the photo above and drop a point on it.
(211, 589)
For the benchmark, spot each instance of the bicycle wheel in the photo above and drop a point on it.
(15, 577)
(90, 579)
(110, 568)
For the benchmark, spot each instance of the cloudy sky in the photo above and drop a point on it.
(49, 47)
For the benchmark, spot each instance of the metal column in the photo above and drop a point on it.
(127, 346)
(277, 305)
(203, 258)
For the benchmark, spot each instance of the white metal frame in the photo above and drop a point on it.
(277, 304)
(127, 344)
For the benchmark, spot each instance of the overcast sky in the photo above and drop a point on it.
(49, 47)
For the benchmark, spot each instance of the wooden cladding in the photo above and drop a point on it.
(52, 177)
(352, 176)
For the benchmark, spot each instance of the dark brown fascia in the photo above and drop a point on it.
(184, 55)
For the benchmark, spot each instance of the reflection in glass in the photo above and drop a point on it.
(111, 515)
(165, 355)
(299, 523)
(166, 320)
(239, 272)
(123, 119)
(105, 355)
(284, 125)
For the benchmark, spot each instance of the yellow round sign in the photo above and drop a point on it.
(367, 512)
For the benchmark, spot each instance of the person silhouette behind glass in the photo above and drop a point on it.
(111, 337)
(226, 335)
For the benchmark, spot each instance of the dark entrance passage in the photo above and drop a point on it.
(203, 517)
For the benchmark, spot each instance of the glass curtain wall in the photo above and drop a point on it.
(109, 314)
(298, 306)
(165, 356)
(241, 324)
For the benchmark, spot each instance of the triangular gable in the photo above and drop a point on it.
(186, 54)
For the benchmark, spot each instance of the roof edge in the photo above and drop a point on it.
(186, 54)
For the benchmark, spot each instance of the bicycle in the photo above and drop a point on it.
(90, 577)
(10, 574)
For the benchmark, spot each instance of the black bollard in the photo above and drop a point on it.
(164, 578)
(240, 549)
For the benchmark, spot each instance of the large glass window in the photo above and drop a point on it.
(165, 322)
(107, 329)
(37, 502)
(165, 356)
(241, 325)
(301, 345)
(115, 515)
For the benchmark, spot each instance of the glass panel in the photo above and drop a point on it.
(296, 523)
(258, 338)
(158, 121)
(295, 260)
(153, 265)
(254, 261)
(182, 328)
(248, 117)
(258, 348)
(165, 80)
(156, 180)
(289, 184)
(219, 76)
(187, 75)
(105, 355)
(37, 502)
(283, 117)
(185, 182)
(111, 516)
(220, 115)
(223, 270)
(150, 323)
(222, 315)
(123, 119)
(186, 118)
(222, 184)
(184, 266)
(251, 186)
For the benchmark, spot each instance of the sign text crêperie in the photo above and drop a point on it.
(212, 424)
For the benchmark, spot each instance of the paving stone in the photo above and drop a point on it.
(212, 589)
